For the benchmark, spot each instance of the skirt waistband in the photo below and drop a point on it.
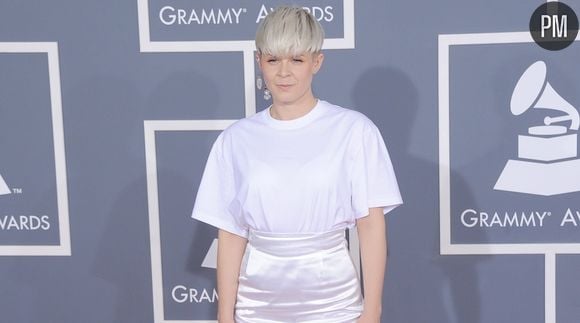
(296, 244)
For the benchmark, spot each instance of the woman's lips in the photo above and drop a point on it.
(284, 86)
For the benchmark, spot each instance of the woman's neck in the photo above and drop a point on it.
(289, 111)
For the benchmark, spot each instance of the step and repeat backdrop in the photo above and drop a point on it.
(108, 110)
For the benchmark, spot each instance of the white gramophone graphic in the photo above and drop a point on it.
(4, 189)
(210, 259)
(547, 161)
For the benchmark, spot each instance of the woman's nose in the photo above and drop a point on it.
(284, 68)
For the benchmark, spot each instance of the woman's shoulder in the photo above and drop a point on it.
(239, 126)
(351, 115)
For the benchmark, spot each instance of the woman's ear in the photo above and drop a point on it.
(318, 59)
(258, 60)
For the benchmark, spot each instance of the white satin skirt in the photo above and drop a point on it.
(298, 278)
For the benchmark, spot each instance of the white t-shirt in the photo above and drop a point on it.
(315, 173)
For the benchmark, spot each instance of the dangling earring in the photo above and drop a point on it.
(260, 84)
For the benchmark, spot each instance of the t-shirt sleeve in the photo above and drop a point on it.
(373, 181)
(214, 203)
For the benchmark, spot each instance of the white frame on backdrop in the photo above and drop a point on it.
(549, 250)
(151, 128)
(64, 246)
(247, 48)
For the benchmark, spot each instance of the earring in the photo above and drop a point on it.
(260, 84)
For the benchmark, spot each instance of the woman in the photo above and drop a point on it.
(284, 184)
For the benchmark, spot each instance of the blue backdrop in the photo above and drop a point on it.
(108, 110)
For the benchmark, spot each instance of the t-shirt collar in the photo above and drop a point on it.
(296, 122)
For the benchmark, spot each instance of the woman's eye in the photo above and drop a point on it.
(298, 60)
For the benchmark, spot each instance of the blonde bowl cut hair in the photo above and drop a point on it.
(289, 30)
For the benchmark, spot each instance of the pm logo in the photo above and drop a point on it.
(547, 161)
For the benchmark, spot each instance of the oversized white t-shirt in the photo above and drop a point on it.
(315, 173)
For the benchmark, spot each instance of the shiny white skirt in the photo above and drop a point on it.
(298, 278)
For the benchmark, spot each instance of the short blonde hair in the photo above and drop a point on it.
(289, 31)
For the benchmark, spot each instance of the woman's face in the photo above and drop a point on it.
(289, 78)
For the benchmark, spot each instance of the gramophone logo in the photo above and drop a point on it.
(547, 161)
(210, 259)
(4, 189)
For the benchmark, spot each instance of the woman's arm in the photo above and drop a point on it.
(231, 249)
(373, 246)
